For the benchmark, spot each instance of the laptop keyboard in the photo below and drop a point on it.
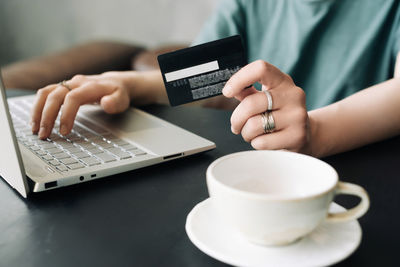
(87, 144)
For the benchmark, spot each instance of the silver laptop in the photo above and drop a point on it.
(99, 145)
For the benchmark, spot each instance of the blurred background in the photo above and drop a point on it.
(31, 28)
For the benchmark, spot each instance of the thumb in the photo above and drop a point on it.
(116, 102)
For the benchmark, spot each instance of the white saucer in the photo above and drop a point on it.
(328, 244)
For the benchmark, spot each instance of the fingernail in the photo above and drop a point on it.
(233, 130)
(42, 132)
(227, 91)
(63, 129)
(34, 126)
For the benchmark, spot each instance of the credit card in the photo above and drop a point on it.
(201, 71)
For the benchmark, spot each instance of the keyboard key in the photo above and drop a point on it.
(114, 150)
(79, 141)
(68, 161)
(73, 149)
(104, 144)
(34, 148)
(124, 155)
(55, 137)
(62, 168)
(41, 152)
(81, 155)
(76, 166)
(26, 131)
(47, 145)
(22, 138)
(76, 139)
(87, 146)
(62, 155)
(47, 157)
(35, 138)
(29, 143)
(90, 161)
(110, 137)
(105, 157)
(38, 141)
(77, 128)
(54, 162)
(121, 142)
(88, 134)
(67, 145)
(96, 139)
(72, 136)
(95, 151)
(54, 150)
(119, 153)
(137, 152)
(129, 147)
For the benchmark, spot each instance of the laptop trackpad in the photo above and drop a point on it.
(129, 121)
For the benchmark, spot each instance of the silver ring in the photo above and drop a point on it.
(269, 97)
(268, 122)
(64, 84)
(264, 122)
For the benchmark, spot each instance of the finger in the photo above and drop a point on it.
(292, 139)
(116, 102)
(36, 112)
(246, 92)
(87, 93)
(79, 79)
(250, 106)
(254, 126)
(257, 71)
(50, 110)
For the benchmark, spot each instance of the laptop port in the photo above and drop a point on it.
(93, 175)
(50, 184)
(81, 178)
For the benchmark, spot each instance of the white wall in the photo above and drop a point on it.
(35, 27)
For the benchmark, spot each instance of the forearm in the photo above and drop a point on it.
(90, 58)
(368, 116)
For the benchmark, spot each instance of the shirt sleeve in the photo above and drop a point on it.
(396, 42)
(228, 19)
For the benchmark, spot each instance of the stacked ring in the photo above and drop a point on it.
(264, 122)
(268, 122)
(267, 118)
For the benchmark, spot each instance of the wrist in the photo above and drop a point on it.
(154, 86)
(145, 87)
(316, 146)
(130, 82)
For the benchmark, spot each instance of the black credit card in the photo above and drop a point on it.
(201, 71)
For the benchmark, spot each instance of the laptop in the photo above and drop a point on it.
(99, 145)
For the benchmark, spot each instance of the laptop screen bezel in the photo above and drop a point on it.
(15, 177)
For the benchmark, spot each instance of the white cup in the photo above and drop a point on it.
(277, 197)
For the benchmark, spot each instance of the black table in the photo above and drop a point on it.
(137, 218)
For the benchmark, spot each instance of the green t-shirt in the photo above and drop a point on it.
(331, 48)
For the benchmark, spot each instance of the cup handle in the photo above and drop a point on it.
(357, 211)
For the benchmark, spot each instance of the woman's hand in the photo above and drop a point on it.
(292, 131)
(108, 89)
(112, 90)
